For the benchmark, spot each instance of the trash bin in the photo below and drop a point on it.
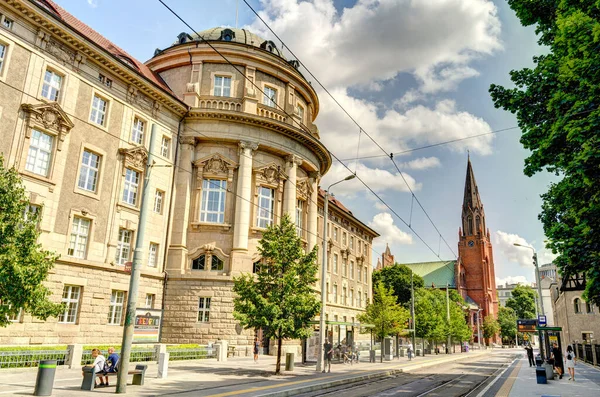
(418, 352)
(289, 361)
(549, 371)
(540, 375)
(538, 361)
(45, 378)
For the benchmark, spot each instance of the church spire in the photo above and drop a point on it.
(472, 211)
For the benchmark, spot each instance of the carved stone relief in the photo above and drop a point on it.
(49, 117)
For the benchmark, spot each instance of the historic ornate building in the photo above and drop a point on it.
(234, 146)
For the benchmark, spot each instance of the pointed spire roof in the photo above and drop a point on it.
(471, 199)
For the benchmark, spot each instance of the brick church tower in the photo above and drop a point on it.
(476, 277)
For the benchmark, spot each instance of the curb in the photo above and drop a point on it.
(359, 378)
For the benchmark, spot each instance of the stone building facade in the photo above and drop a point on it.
(235, 148)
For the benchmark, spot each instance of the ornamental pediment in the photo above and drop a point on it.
(135, 157)
(48, 117)
(215, 165)
(304, 189)
(269, 174)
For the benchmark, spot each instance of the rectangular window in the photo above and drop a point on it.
(137, 131)
(40, 153)
(266, 203)
(300, 113)
(222, 86)
(335, 296)
(158, 201)
(214, 193)
(165, 147)
(15, 317)
(344, 238)
(335, 263)
(344, 267)
(359, 299)
(344, 297)
(203, 310)
(351, 297)
(115, 311)
(351, 243)
(7, 23)
(366, 276)
(99, 107)
(88, 173)
(152, 253)
(52, 85)
(130, 188)
(335, 234)
(2, 55)
(359, 273)
(270, 97)
(30, 210)
(79, 237)
(299, 215)
(123, 246)
(351, 269)
(105, 81)
(70, 299)
(150, 298)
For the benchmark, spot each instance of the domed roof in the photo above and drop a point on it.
(235, 35)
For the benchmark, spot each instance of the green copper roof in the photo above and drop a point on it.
(437, 273)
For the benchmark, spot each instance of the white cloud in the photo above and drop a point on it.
(512, 280)
(422, 163)
(378, 179)
(504, 244)
(383, 223)
(92, 3)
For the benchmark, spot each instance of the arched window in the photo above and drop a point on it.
(469, 226)
(199, 263)
(577, 305)
(589, 308)
(216, 263)
(477, 224)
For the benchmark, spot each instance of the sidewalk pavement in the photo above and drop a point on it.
(235, 377)
(521, 382)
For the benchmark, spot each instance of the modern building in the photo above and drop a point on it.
(234, 147)
(472, 273)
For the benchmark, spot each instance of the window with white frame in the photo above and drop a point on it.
(15, 317)
(270, 96)
(70, 299)
(335, 294)
(7, 22)
(203, 309)
(123, 246)
(199, 263)
(80, 231)
(335, 234)
(40, 153)
(3, 51)
(351, 243)
(99, 108)
(137, 131)
(335, 263)
(115, 311)
(88, 172)
(216, 263)
(214, 193)
(158, 201)
(222, 86)
(52, 85)
(266, 204)
(344, 238)
(165, 147)
(299, 216)
(150, 298)
(130, 187)
(31, 210)
(152, 254)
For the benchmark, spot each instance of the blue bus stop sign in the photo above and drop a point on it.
(541, 320)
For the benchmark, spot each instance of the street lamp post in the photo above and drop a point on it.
(539, 288)
(322, 335)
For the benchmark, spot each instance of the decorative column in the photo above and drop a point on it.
(244, 197)
(313, 209)
(289, 189)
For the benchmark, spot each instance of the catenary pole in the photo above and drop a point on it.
(322, 335)
(412, 310)
(448, 318)
(134, 280)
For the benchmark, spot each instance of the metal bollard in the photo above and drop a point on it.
(289, 361)
(44, 382)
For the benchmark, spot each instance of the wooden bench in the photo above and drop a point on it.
(90, 375)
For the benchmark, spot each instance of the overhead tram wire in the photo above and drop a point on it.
(172, 163)
(355, 122)
(301, 124)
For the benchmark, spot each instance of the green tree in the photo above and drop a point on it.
(384, 313)
(24, 265)
(397, 277)
(280, 298)
(459, 327)
(507, 319)
(556, 104)
(522, 301)
(490, 327)
(430, 317)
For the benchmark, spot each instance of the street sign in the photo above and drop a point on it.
(541, 320)
(127, 267)
(526, 325)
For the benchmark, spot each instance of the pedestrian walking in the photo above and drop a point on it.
(256, 348)
(529, 350)
(558, 361)
(410, 351)
(571, 360)
(327, 355)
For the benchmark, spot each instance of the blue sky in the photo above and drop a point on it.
(413, 73)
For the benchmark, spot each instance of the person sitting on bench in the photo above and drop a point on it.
(98, 365)
(112, 363)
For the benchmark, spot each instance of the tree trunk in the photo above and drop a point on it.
(278, 365)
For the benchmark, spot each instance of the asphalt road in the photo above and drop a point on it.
(465, 378)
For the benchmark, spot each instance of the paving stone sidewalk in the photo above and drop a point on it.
(240, 376)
